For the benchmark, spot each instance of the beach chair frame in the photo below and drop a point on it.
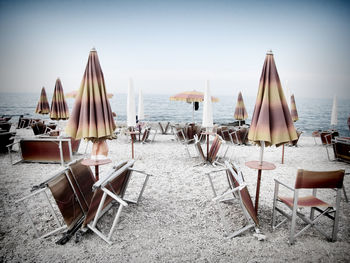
(309, 180)
(102, 185)
(236, 189)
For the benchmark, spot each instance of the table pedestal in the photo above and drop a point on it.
(257, 166)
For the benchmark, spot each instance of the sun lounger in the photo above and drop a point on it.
(112, 188)
(46, 150)
(235, 189)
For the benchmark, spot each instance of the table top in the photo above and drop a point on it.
(258, 166)
(90, 162)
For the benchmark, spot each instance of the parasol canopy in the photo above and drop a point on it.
(271, 122)
(140, 109)
(191, 96)
(43, 106)
(92, 115)
(240, 111)
(74, 93)
(59, 108)
(293, 109)
(334, 116)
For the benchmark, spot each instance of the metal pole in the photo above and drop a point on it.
(283, 154)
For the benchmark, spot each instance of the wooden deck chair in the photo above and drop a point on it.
(199, 150)
(108, 189)
(6, 141)
(63, 192)
(309, 180)
(341, 148)
(235, 189)
(215, 148)
(45, 150)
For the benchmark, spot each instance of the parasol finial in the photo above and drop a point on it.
(93, 49)
(269, 52)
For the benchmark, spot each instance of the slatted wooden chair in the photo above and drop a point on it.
(235, 190)
(309, 180)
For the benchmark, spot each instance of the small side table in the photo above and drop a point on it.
(96, 163)
(264, 166)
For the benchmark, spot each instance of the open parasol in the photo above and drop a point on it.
(92, 115)
(59, 108)
(240, 111)
(43, 106)
(191, 97)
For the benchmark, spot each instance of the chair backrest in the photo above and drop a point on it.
(198, 146)
(319, 179)
(44, 150)
(214, 148)
(64, 196)
(236, 180)
(6, 138)
(82, 180)
(116, 182)
(146, 134)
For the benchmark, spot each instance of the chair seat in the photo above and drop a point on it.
(306, 201)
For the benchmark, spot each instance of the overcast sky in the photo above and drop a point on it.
(172, 46)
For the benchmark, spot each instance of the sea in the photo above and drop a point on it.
(314, 114)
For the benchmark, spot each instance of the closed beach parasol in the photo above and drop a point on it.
(207, 121)
(59, 108)
(293, 109)
(240, 111)
(334, 116)
(43, 106)
(131, 116)
(271, 122)
(92, 115)
(191, 97)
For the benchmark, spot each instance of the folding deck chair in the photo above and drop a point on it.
(180, 137)
(108, 189)
(236, 189)
(145, 136)
(64, 191)
(309, 180)
(215, 147)
(164, 130)
(45, 150)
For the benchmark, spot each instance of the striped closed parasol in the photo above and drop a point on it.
(43, 106)
(74, 93)
(92, 117)
(293, 109)
(271, 122)
(240, 111)
(59, 108)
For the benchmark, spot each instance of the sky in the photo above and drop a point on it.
(171, 46)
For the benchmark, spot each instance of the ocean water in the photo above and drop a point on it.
(314, 114)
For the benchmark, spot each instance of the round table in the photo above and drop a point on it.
(96, 163)
(264, 166)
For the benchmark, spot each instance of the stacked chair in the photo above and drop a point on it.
(82, 200)
(213, 155)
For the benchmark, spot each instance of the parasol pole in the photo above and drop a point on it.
(283, 154)
(262, 146)
(193, 112)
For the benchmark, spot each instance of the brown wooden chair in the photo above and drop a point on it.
(6, 139)
(309, 180)
(234, 189)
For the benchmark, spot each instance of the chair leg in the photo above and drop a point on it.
(294, 215)
(345, 195)
(336, 217)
